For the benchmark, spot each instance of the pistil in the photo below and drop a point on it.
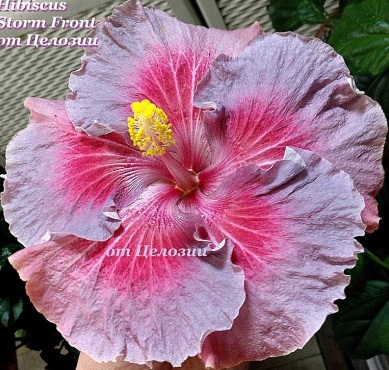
(151, 131)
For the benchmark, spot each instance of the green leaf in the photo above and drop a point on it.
(10, 311)
(361, 325)
(17, 308)
(344, 3)
(288, 15)
(377, 87)
(362, 37)
(6, 251)
(379, 90)
(5, 311)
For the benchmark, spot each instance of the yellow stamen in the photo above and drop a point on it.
(150, 129)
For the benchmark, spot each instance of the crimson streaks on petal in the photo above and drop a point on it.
(293, 242)
(60, 180)
(145, 54)
(285, 89)
(143, 308)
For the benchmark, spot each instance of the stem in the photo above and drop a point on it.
(326, 23)
(374, 258)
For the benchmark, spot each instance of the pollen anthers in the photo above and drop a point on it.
(150, 129)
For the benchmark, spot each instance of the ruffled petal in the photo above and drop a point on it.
(293, 229)
(60, 180)
(146, 54)
(109, 300)
(285, 89)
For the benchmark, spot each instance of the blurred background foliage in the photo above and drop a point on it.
(359, 31)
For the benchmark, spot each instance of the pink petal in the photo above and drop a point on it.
(146, 54)
(142, 308)
(59, 180)
(293, 238)
(288, 90)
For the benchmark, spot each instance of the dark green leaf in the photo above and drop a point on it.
(6, 251)
(344, 3)
(10, 311)
(5, 311)
(377, 242)
(361, 325)
(362, 37)
(17, 308)
(376, 259)
(363, 82)
(379, 90)
(288, 15)
(376, 338)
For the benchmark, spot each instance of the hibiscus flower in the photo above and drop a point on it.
(240, 161)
